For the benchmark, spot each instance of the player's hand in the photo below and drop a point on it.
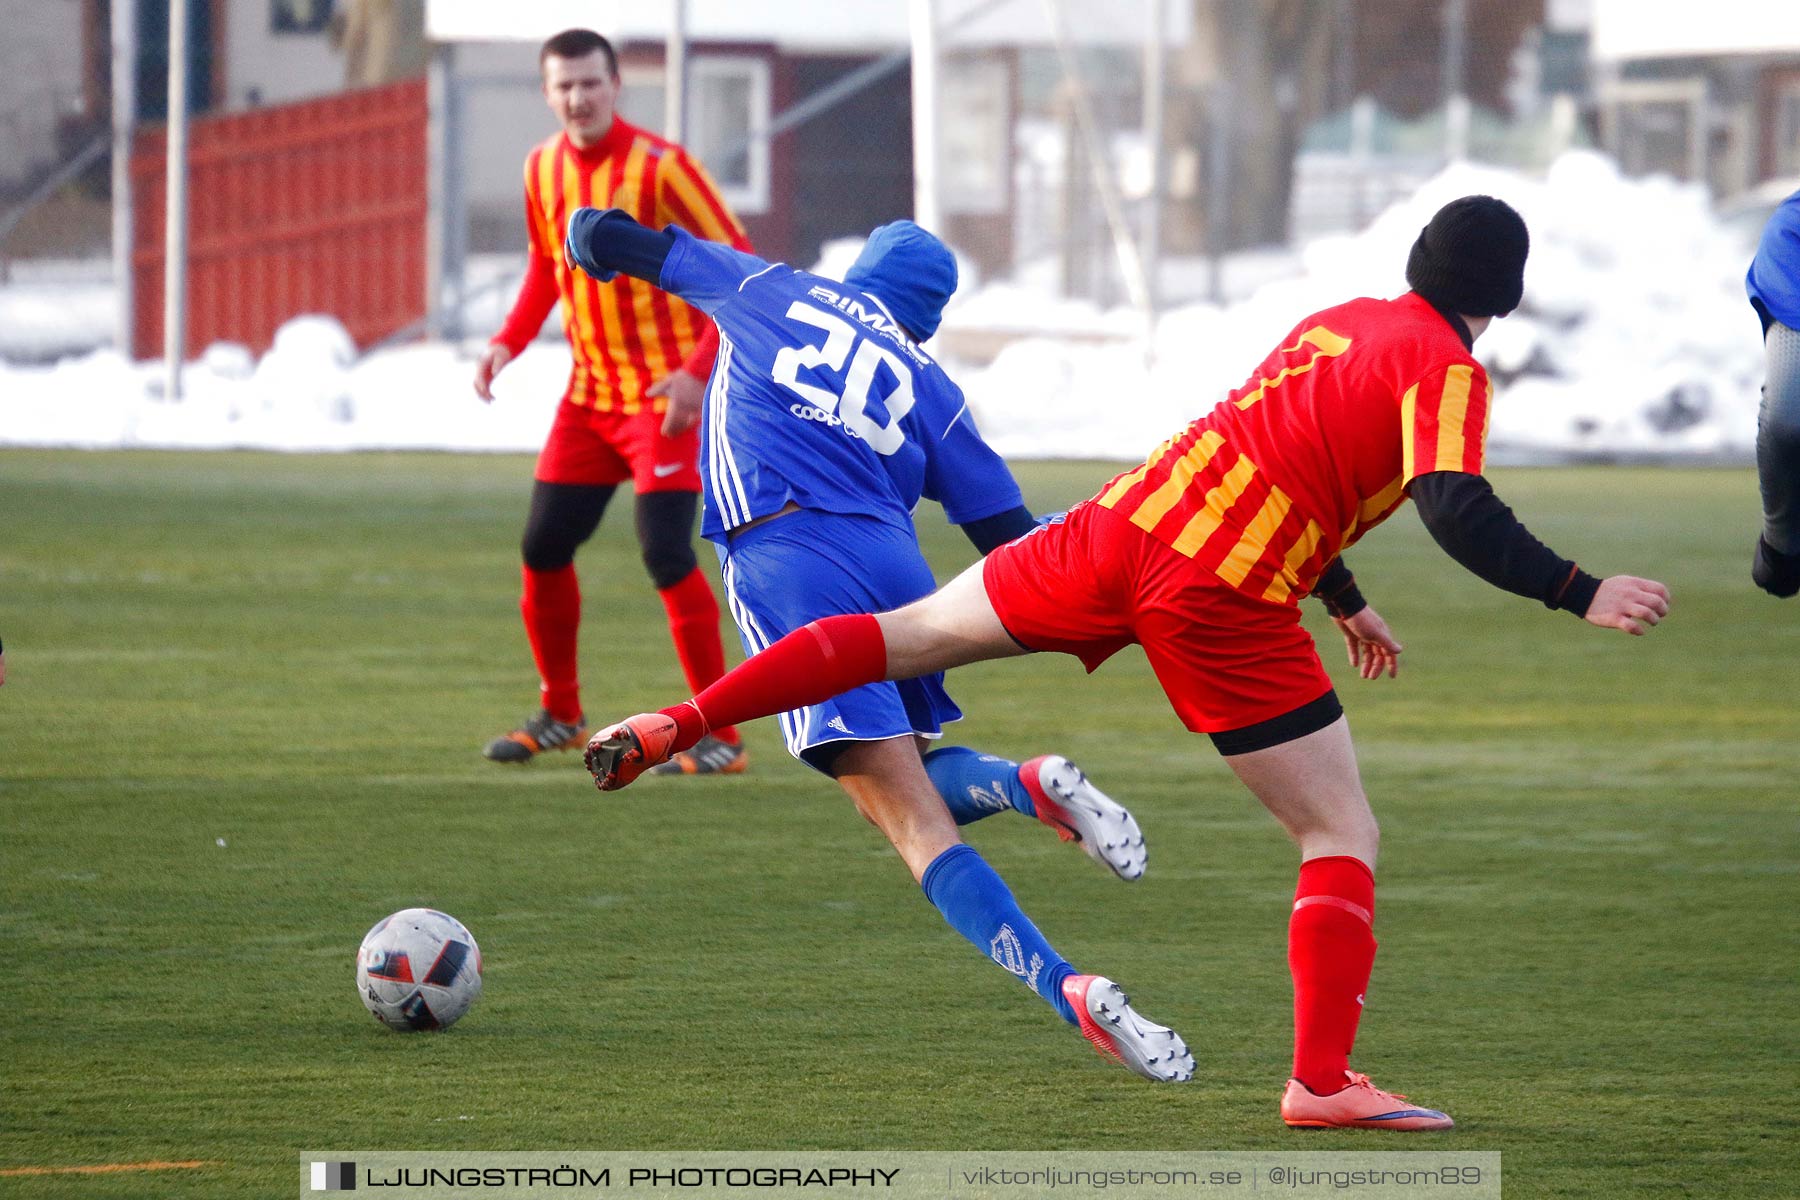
(492, 361)
(1371, 645)
(1628, 603)
(685, 394)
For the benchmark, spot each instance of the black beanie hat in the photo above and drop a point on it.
(1471, 257)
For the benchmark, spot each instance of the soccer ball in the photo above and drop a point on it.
(418, 969)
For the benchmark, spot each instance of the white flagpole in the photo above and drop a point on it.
(927, 204)
(175, 229)
(675, 75)
(124, 118)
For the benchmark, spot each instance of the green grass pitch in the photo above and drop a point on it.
(245, 703)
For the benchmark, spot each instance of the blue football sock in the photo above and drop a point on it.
(976, 785)
(979, 905)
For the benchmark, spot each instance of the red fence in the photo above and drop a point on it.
(316, 207)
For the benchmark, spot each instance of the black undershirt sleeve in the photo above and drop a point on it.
(615, 242)
(1000, 528)
(1479, 531)
(1337, 588)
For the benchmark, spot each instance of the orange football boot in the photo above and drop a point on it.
(1361, 1105)
(708, 756)
(539, 733)
(620, 753)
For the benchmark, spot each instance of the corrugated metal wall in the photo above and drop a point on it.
(316, 207)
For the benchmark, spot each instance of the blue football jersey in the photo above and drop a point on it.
(820, 398)
(1774, 277)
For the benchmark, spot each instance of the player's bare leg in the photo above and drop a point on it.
(1311, 785)
(887, 783)
(956, 625)
(890, 787)
(952, 626)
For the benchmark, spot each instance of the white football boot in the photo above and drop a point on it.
(1081, 812)
(1120, 1033)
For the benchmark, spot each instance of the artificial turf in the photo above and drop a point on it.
(245, 700)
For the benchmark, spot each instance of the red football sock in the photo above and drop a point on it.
(1331, 950)
(808, 666)
(694, 626)
(551, 606)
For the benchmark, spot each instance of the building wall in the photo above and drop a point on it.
(1730, 122)
(853, 165)
(41, 86)
(503, 116)
(267, 66)
(836, 175)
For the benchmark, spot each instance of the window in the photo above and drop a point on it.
(727, 111)
(299, 16)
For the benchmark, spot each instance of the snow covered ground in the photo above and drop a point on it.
(1635, 338)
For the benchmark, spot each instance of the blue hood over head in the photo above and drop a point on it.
(912, 271)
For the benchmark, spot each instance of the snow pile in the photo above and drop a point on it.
(53, 308)
(308, 393)
(1635, 338)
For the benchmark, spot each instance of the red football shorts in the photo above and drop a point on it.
(587, 446)
(1095, 583)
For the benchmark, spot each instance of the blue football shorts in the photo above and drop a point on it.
(797, 568)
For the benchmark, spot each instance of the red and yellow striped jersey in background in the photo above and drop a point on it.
(625, 334)
(1316, 449)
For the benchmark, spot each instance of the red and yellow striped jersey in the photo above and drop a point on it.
(1316, 448)
(625, 334)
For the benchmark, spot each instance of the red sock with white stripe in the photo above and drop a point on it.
(551, 606)
(694, 628)
(1331, 951)
(808, 666)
